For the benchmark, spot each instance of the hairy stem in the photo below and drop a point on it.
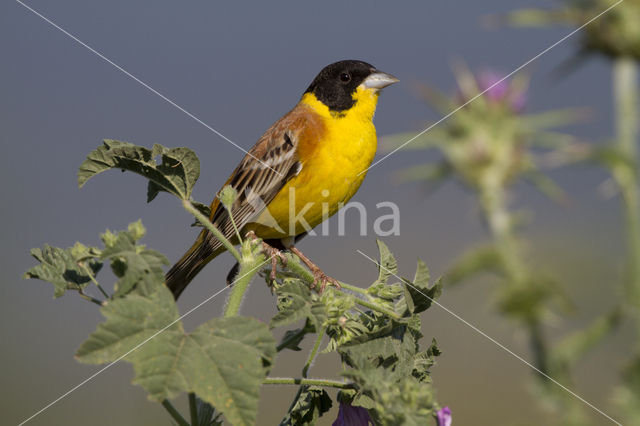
(313, 353)
(493, 199)
(207, 224)
(307, 382)
(625, 88)
(249, 267)
(193, 409)
(174, 413)
(90, 299)
(93, 279)
(377, 308)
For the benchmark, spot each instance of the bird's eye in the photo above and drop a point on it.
(345, 77)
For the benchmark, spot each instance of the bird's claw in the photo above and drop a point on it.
(324, 280)
(274, 254)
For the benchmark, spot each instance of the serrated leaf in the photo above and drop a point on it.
(296, 302)
(62, 267)
(223, 361)
(418, 295)
(312, 403)
(134, 265)
(395, 351)
(293, 338)
(388, 264)
(390, 397)
(177, 172)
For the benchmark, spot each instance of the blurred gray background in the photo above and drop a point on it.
(238, 67)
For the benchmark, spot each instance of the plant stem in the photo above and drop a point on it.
(174, 413)
(248, 268)
(93, 279)
(193, 409)
(377, 308)
(313, 353)
(493, 199)
(90, 299)
(308, 382)
(207, 224)
(302, 272)
(354, 288)
(625, 88)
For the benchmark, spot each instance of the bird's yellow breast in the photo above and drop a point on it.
(333, 167)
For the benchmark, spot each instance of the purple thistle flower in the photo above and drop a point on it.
(490, 81)
(348, 415)
(498, 90)
(444, 416)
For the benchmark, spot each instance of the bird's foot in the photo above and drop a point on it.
(319, 277)
(323, 279)
(272, 253)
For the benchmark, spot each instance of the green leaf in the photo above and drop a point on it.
(391, 396)
(474, 261)
(293, 338)
(223, 361)
(135, 265)
(227, 196)
(431, 174)
(388, 264)
(64, 268)
(539, 18)
(572, 348)
(419, 296)
(312, 403)
(177, 172)
(613, 158)
(295, 302)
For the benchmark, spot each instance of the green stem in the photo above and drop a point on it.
(625, 88)
(355, 289)
(539, 347)
(90, 299)
(193, 409)
(313, 353)
(93, 279)
(307, 382)
(377, 308)
(304, 274)
(493, 199)
(174, 413)
(307, 365)
(248, 268)
(207, 224)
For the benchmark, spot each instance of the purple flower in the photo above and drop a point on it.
(444, 416)
(498, 90)
(348, 415)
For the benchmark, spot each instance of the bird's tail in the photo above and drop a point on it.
(192, 262)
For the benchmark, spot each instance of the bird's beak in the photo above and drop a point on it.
(379, 80)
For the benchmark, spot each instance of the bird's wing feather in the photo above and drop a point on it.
(262, 173)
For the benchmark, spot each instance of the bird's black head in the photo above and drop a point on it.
(336, 83)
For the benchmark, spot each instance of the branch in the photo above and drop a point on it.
(309, 382)
(215, 231)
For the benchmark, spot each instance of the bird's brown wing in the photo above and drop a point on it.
(266, 168)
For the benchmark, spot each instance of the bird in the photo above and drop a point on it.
(300, 172)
